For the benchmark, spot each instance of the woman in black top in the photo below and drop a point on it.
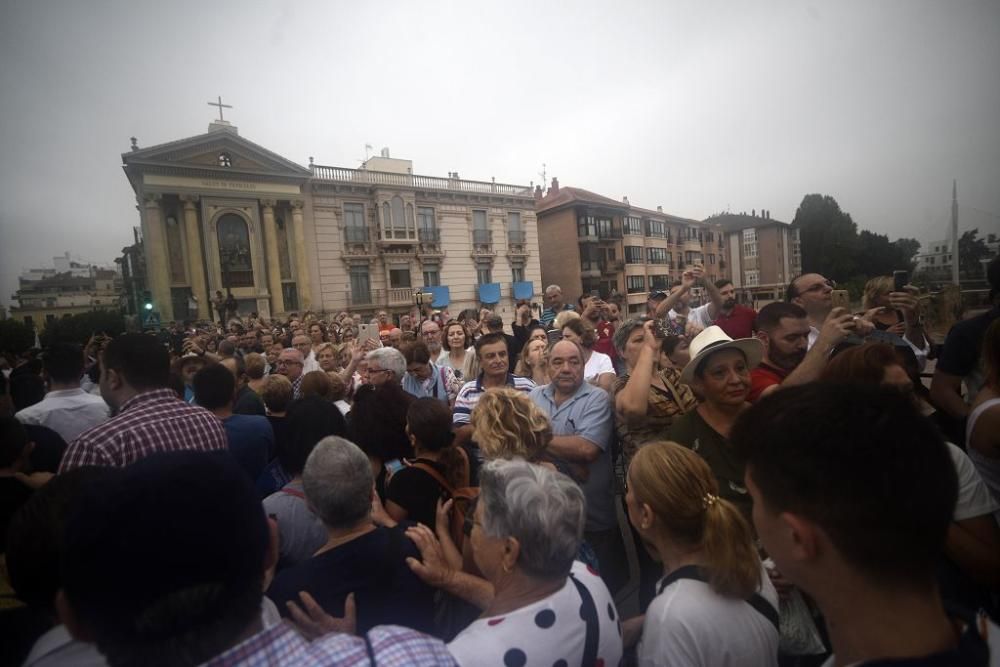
(436, 469)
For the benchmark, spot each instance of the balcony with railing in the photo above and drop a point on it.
(613, 234)
(376, 178)
(380, 298)
(357, 234)
(517, 237)
(482, 242)
(590, 269)
(361, 297)
(613, 266)
(429, 235)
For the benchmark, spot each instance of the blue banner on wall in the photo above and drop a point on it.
(489, 293)
(442, 296)
(524, 290)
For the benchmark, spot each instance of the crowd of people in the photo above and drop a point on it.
(778, 487)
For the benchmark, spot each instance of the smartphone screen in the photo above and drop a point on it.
(393, 466)
(899, 280)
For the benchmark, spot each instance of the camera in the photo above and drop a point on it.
(423, 298)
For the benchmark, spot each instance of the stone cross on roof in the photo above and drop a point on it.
(221, 106)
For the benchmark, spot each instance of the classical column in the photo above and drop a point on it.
(155, 244)
(301, 263)
(196, 265)
(271, 248)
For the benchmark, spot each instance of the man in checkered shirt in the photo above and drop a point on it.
(149, 418)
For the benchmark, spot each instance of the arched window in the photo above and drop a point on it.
(234, 251)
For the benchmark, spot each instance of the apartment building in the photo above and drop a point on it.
(763, 254)
(591, 242)
(219, 212)
(69, 288)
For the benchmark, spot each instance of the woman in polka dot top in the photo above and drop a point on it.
(548, 609)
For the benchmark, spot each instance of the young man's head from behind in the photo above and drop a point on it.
(165, 567)
(848, 479)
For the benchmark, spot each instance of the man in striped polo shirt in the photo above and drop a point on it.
(491, 351)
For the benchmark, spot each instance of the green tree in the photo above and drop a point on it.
(908, 249)
(79, 328)
(971, 249)
(829, 237)
(15, 336)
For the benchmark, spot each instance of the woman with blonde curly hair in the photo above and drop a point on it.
(715, 605)
(507, 424)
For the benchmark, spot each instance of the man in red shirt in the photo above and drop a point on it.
(731, 317)
(788, 360)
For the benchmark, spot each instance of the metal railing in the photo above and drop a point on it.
(343, 174)
(429, 235)
(357, 234)
(517, 236)
(482, 236)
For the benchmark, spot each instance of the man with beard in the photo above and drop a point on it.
(731, 317)
(788, 360)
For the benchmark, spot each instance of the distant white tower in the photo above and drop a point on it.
(954, 232)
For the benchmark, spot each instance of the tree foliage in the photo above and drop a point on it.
(79, 328)
(971, 249)
(833, 246)
(828, 237)
(15, 336)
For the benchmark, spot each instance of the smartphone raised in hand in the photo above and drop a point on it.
(899, 280)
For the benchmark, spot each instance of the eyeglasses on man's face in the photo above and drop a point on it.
(819, 287)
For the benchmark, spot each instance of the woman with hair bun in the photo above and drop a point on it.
(715, 606)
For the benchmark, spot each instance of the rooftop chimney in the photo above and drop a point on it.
(538, 192)
(659, 209)
(753, 213)
(555, 186)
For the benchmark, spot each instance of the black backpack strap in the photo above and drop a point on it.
(757, 601)
(766, 610)
(589, 613)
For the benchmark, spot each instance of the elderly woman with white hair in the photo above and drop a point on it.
(547, 608)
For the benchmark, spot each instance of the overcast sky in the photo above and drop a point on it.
(696, 106)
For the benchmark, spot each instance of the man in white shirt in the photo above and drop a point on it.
(66, 409)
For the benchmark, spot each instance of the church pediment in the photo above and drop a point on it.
(219, 153)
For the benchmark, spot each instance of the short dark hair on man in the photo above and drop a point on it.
(722, 282)
(214, 387)
(862, 463)
(490, 339)
(140, 359)
(13, 439)
(416, 352)
(26, 389)
(309, 419)
(166, 566)
(35, 536)
(769, 317)
(494, 322)
(64, 362)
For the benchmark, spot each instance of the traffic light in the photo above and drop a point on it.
(147, 300)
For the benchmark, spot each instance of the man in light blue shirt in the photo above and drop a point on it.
(582, 427)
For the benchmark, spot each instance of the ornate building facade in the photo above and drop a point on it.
(221, 213)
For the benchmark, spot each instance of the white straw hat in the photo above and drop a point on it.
(714, 339)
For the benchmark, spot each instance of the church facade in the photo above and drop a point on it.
(221, 213)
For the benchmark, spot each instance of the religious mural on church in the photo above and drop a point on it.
(234, 252)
